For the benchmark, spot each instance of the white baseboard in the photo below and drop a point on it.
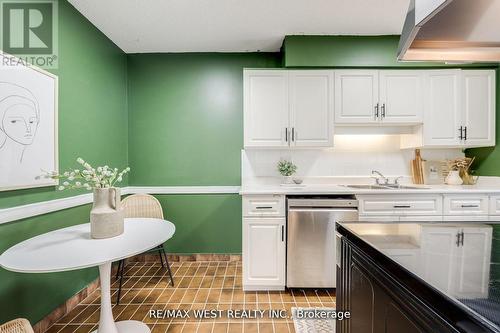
(49, 206)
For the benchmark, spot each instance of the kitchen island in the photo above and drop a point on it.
(418, 277)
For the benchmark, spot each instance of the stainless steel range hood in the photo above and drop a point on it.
(451, 31)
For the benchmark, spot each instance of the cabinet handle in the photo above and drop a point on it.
(462, 236)
(376, 111)
(293, 134)
(264, 207)
(465, 135)
(458, 239)
(470, 206)
(401, 206)
(383, 111)
(461, 133)
(286, 134)
(282, 233)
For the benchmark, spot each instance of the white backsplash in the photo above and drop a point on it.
(352, 156)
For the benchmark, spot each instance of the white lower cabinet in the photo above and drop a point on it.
(456, 260)
(264, 250)
(474, 263)
(439, 246)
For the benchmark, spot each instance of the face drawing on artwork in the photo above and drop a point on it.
(20, 122)
(19, 117)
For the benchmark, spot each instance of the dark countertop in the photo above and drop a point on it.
(460, 261)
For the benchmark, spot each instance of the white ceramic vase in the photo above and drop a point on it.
(287, 180)
(106, 216)
(454, 178)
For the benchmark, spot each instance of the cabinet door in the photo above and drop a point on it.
(264, 253)
(473, 275)
(401, 96)
(442, 115)
(479, 107)
(311, 108)
(265, 108)
(356, 96)
(438, 254)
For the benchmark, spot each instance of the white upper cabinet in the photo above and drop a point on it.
(369, 97)
(442, 118)
(478, 91)
(450, 108)
(401, 97)
(311, 108)
(459, 110)
(288, 108)
(356, 97)
(266, 108)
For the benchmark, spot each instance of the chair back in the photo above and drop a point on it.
(142, 205)
(19, 325)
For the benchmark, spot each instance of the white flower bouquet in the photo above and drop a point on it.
(89, 177)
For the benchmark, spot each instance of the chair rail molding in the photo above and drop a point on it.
(12, 214)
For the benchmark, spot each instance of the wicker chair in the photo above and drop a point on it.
(19, 325)
(142, 205)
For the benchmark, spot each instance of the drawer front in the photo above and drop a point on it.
(400, 205)
(494, 205)
(264, 205)
(466, 204)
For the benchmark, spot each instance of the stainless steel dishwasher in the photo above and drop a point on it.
(311, 250)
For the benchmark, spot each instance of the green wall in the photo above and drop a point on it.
(186, 128)
(93, 125)
(186, 116)
(348, 51)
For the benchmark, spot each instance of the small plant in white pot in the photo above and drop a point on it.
(106, 216)
(287, 169)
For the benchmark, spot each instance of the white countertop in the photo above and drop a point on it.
(486, 185)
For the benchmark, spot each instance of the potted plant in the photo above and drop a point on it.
(287, 169)
(106, 216)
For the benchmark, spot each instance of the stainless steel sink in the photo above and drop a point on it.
(368, 187)
(386, 187)
(406, 187)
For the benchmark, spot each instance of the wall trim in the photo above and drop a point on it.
(39, 208)
(184, 189)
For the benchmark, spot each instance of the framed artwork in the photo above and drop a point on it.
(28, 124)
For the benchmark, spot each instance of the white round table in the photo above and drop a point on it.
(72, 248)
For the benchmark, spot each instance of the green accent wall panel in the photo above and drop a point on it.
(92, 124)
(204, 223)
(186, 116)
(348, 51)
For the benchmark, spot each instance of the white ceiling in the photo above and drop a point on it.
(139, 26)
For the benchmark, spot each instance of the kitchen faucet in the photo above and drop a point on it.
(379, 177)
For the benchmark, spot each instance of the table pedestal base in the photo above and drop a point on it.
(130, 326)
(106, 321)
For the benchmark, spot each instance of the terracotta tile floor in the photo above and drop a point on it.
(198, 285)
